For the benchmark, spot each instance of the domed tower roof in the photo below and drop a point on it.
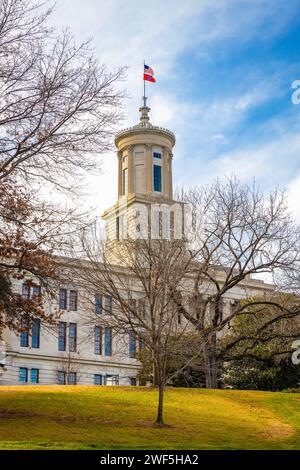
(145, 126)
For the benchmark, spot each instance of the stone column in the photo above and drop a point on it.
(149, 166)
(120, 183)
(130, 169)
(166, 172)
(170, 175)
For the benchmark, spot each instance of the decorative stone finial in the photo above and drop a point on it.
(144, 125)
(144, 117)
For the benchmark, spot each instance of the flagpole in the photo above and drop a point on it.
(144, 97)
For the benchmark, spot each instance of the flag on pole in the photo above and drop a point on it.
(149, 78)
(148, 70)
(148, 74)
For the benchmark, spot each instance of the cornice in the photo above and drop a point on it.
(150, 129)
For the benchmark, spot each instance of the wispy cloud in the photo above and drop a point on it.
(293, 191)
(223, 74)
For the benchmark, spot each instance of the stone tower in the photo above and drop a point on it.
(144, 154)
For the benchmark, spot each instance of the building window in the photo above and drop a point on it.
(141, 308)
(36, 291)
(157, 178)
(72, 337)
(141, 344)
(62, 332)
(118, 228)
(133, 306)
(133, 381)
(157, 155)
(98, 304)
(132, 345)
(63, 299)
(34, 376)
(98, 340)
(108, 341)
(108, 304)
(160, 224)
(24, 335)
(120, 235)
(112, 380)
(61, 377)
(125, 181)
(25, 291)
(97, 379)
(172, 225)
(23, 375)
(72, 378)
(36, 330)
(122, 227)
(73, 300)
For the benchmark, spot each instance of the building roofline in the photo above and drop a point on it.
(139, 129)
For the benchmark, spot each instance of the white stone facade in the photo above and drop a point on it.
(117, 368)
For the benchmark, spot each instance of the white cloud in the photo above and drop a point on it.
(127, 32)
(271, 164)
(293, 192)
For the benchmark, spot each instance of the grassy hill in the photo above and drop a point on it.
(76, 417)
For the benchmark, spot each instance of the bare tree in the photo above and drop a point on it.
(244, 234)
(58, 104)
(142, 287)
(68, 363)
(58, 110)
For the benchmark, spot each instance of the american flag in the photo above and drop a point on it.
(148, 70)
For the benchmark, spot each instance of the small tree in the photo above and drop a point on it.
(142, 288)
(68, 364)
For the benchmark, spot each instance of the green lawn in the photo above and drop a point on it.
(76, 417)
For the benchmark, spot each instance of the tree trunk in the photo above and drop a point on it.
(211, 376)
(155, 375)
(210, 364)
(160, 416)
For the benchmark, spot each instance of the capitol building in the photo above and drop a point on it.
(64, 353)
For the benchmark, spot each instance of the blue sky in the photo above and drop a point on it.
(224, 70)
